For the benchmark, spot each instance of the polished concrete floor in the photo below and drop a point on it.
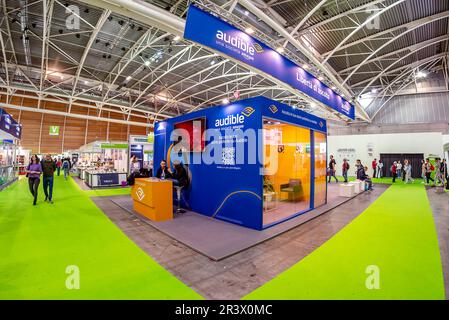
(439, 202)
(238, 275)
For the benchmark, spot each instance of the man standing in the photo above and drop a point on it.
(58, 166)
(48, 169)
(345, 169)
(332, 169)
(374, 166)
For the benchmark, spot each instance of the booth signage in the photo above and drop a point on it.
(108, 179)
(208, 30)
(114, 146)
(54, 130)
(9, 125)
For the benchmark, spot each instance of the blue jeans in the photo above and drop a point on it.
(345, 175)
(48, 184)
(66, 173)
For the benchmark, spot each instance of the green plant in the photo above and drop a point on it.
(267, 185)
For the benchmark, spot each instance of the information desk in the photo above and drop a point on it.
(107, 179)
(153, 198)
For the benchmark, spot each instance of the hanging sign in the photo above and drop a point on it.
(210, 31)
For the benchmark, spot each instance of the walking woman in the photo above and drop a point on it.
(408, 171)
(34, 171)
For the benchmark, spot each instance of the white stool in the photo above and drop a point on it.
(356, 186)
(347, 190)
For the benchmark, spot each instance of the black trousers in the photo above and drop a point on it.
(375, 171)
(428, 177)
(33, 184)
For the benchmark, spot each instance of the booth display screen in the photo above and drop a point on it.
(195, 129)
(287, 183)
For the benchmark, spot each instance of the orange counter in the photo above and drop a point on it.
(153, 198)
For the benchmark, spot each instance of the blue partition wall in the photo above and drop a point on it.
(226, 190)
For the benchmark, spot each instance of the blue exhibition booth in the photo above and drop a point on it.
(253, 162)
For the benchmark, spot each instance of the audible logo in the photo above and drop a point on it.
(230, 120)
(239, 42)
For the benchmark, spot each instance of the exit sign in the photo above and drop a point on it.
(54, 130)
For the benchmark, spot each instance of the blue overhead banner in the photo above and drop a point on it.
(208, 30)
(9, 125)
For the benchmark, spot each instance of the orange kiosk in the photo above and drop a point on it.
(153, 198)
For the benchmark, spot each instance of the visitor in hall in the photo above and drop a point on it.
(345, 169)
(48, 170)
(393, 170)
(380, 168)
(399, 168)
(444, 169)
(66, 167)
(365, 177)
(134, 165)
(423, 171)
(408, 171)
(360, 169)
(439, 179)
(33, 172)
(163, 172)
(332, 168)
(429, 169)
(179, 174)
(374, 166)
(58, 166)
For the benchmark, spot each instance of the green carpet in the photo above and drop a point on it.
(382, 180)
(396, 233)
(38, 243)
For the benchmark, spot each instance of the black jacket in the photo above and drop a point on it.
(180, 174)
(159, 173)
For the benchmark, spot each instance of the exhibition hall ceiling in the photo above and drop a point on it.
(93, 54)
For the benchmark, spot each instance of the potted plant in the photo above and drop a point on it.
(268, 189)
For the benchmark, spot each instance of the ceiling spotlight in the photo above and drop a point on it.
(121, 22)
(110, 18)
(334, 88)
(342, 95)
(213, 62)
(86, 83)
(280, 49)
(421, 74)
(320, 78)
(249, 30)
(313, 105)
(246, 12)
(139, 28)
(34, 25)
(147, 63)
(97, 40)
(177, 38)
(128, 78)
(305, 66)
(374, 91)
(225, 101)
(107, 44)
(60, 31)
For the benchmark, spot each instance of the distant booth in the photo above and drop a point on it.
(10, 135)
(263, 163)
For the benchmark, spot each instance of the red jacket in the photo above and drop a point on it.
(374, 164)
(393, 169)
